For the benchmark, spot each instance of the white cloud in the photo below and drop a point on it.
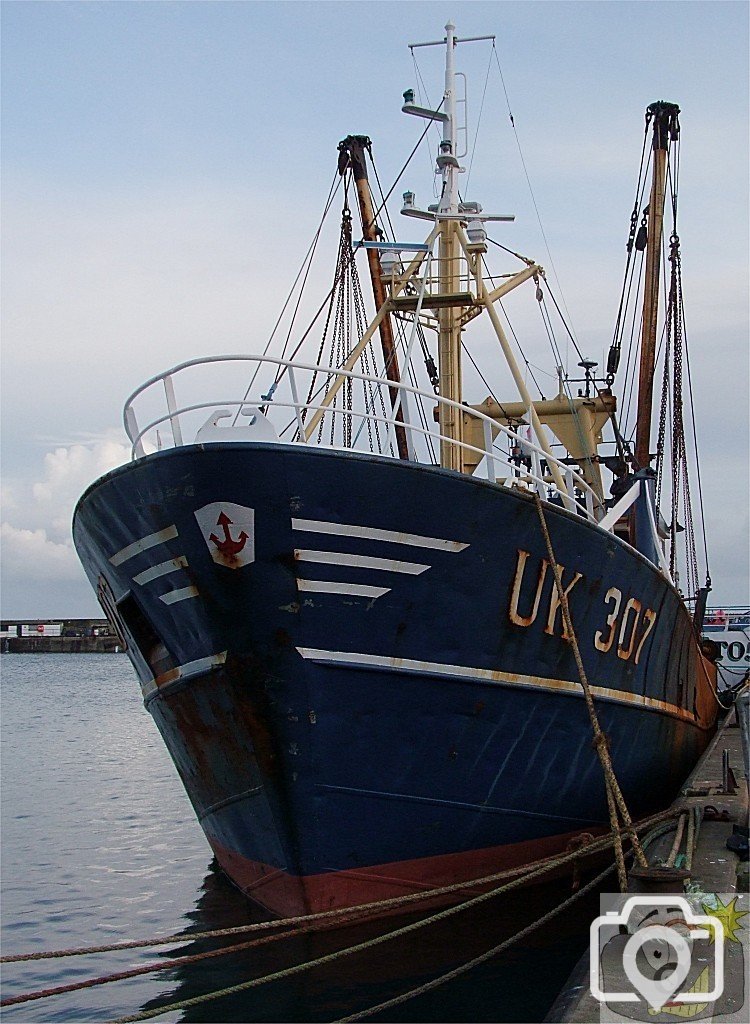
(31, 554)
(36, 528)
(68, 470)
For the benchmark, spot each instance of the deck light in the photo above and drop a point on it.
(476, 233)
(390, 261)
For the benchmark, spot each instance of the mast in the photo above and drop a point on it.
(666, 129)
(450, 301)
(449, 344)
(354, 146)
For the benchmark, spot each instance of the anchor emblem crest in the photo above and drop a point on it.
(228, 546)
(228, 531)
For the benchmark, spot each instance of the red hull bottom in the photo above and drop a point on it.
(288, 895)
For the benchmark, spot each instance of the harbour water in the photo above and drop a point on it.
(100, 844)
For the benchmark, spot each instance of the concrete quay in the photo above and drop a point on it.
(61, 645)
(716, 792)
(58, 636)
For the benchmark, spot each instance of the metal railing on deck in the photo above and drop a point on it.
(357, 417)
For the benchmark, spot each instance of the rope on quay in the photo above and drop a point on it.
(615, 799)
(677, 842)
(694, 825)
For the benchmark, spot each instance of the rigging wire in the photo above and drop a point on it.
(479, 121)
(636, 367)
(556, 355)
(633, 350)
(429, 362)
(695, 447)
(528, 182)
(313, 247)
(491, 278)
(328, 296)
(563, 321)
(671, 447)
(401, 172)
(304, 267)
(512, 330)
(632, 243)
(547, 320)
(423, 89)
(485, 381)
(524, 259)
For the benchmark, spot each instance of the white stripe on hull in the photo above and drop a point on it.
(360, 561)
(354, 660)
(143, 544)
(353, 589)
(190, 668)
(179, 595)
(160, 570)
(370, 533)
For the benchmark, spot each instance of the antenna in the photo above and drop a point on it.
(449, 207)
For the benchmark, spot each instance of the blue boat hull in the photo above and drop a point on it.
(360, 670)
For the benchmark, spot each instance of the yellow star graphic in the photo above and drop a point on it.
(729, 917)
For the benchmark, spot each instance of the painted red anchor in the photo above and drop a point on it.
(228, 547)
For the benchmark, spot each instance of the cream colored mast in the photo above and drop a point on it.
(448, 216)
(450, 300)
(449, 348)
(456, 295)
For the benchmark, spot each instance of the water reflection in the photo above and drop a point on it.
(518, 986)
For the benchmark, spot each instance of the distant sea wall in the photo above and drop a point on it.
(59, 636)
(61, 645)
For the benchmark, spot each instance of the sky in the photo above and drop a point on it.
(164, 166)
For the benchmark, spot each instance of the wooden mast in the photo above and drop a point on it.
(666, 129)
(354, 146)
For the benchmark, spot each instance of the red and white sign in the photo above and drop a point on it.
(229, 533)
(42, 629)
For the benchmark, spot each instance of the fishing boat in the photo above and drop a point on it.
(332, 578)
(728, 627)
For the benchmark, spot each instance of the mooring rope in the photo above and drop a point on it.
(677, 842)
(164, 965)
(296, 926)
(483, 958)
(615, 799)
(378, 905)
(377, 940)
(375, 906)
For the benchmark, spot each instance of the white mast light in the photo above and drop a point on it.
(449, 207)
(390, 261)
(476, 233)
